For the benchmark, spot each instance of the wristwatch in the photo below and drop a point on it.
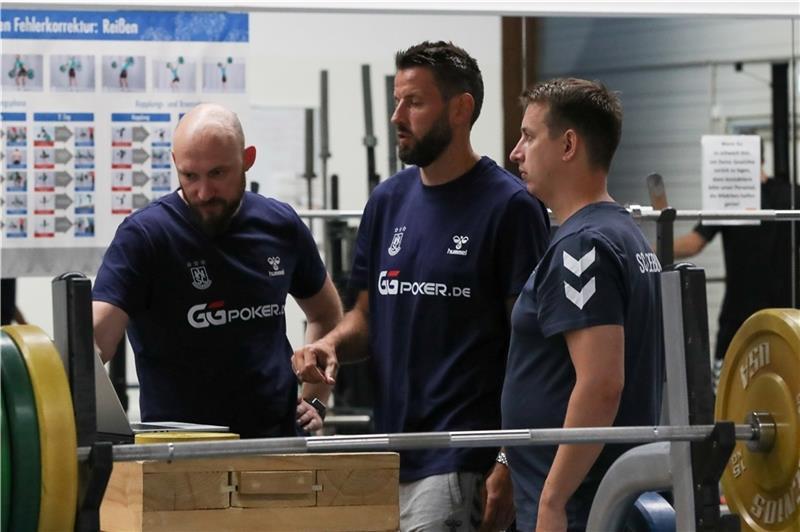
(501, 458)
(319, 406)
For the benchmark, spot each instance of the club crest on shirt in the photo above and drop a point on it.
(397, 239)
(579, 298)
(275, 263)
(460, 249)
(200, 277)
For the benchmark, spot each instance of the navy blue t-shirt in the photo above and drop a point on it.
(598, 270)
(439, 264)
(207, 322)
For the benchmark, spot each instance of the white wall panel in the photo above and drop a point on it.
(677, 82)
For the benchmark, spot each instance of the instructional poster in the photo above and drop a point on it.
(89, 103)
(731, 174)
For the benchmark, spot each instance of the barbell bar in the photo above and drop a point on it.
(764, 429)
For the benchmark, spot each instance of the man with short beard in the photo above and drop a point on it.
(200, 279)
(443, 249)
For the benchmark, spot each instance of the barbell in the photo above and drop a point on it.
(759, 389)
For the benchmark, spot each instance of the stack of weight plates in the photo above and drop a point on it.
(40, 488)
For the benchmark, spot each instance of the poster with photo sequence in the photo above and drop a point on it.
(89, 103)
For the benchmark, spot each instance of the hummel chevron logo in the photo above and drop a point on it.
(579, 266)
(582, 297)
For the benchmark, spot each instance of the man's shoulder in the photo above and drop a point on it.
(398, 183)
(271, 209)
(155, 213)
(504, 181)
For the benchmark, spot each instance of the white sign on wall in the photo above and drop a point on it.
(88, 104)
(731, 173)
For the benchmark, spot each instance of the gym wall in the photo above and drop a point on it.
(678, 81)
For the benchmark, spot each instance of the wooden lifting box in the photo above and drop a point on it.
(347, 492)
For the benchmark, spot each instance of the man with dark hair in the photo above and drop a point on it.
(586, 342)
(758, 262)
(200, 278)
(443, 249)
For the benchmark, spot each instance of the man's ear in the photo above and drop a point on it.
(249, 157)
(570, 143)
(462, 108)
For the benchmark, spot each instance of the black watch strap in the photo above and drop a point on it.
(319, 406)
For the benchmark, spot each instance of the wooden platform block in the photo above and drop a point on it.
(357, 487)
(347, 491)
(263, 489)
(318, 518)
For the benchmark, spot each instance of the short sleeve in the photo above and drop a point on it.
(359, 276)
(581, 285)
(124, 276)
(706, 231)
(309, 273)
(522, 238)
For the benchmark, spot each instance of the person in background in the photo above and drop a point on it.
(757, 262)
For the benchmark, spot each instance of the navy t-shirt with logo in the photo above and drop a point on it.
(439, 263)
(206, 314)
(598, 270)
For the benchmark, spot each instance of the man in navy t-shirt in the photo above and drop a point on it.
(200, 279)
(586, 343)
(443, 249)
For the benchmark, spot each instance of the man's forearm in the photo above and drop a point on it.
(351, 337)
(589, 406)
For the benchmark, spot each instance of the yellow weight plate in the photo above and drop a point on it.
(761, 372)
(57, 436)
(181, 437)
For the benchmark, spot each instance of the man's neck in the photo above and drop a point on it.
(455, 161)
(581, 192)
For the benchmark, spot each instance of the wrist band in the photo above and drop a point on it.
(501, 458)
(318, 406)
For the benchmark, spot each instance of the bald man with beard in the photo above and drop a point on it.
(200, 277)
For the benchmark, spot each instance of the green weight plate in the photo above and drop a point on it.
(5, 468)
(57, 435)
(26, 472)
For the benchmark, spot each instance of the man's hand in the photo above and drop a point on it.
(498, 500)
(316, 363)
(308, 418)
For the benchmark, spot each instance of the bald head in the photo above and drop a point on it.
(211, 160)
(209, 119)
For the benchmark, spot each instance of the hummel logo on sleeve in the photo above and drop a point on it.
(579, 299)
(577, 267)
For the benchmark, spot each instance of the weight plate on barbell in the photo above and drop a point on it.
(23, 425)
(58, 440)
(5, 467)
(760, 373)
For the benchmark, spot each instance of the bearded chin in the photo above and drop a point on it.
(217, 224)
(429, 147)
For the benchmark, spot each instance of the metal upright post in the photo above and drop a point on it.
(309, 174)
(690, 400)
(391, 138)
(369, 133)
(665, 227)
(74, 338)
(324, 152)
